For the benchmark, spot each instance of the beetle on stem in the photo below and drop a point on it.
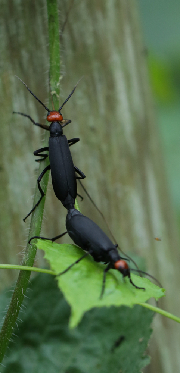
(63, 171)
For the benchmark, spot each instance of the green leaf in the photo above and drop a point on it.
(44, 343)
(82, 284)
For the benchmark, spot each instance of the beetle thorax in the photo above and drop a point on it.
(55, 129)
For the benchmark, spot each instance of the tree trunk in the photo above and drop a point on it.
(120, 153)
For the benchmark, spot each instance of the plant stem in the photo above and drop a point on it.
(162, 312)
(54, 51)
(27, 268)
(36, 220)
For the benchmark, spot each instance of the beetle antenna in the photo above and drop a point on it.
(70, 94)
(147, 274)
(33, 93)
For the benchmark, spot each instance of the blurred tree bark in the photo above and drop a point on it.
(112, 112)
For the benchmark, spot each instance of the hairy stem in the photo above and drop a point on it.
(36, 220)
